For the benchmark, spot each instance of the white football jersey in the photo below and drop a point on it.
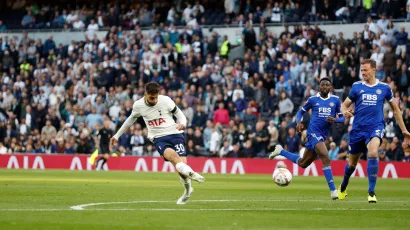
(158, 118)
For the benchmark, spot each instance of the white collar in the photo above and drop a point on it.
(328, 96)
(377, 82)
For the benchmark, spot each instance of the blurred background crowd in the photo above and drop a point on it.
(54, 98)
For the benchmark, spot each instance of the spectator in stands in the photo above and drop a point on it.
(401, 41)
(395, 152)
(92, 27)
(28, 20)
(2, 26)
(285, 105)
(333, 151)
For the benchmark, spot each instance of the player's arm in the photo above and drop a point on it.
(339, 119)
(124, 127)
(339, 116)
(300, 113)
(178, 114)
(344, 109)
(399, 118)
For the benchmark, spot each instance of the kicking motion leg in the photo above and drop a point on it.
(327, 170)
(372, 167)
(304, 162)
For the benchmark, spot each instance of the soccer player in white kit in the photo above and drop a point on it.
(167, 135)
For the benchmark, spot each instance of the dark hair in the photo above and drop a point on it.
(152, 88)
(325, 79)
(369, 61)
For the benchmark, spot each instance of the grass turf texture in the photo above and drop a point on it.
(42, 200)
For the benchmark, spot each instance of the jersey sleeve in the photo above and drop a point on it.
(389, 94)
(170, 105)
(135, 111)
(338, 105)
(353, 93)
(308, 105)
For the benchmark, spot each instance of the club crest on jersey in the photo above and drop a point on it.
(378, 91)
(332, 104)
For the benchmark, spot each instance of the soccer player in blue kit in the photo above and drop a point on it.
(366, 135)
(325, 108)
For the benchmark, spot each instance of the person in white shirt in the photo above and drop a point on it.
(171, 14)
(92, 27)
(167, 135)
(78, 24)
(187, 13)
(382, 23)
(72, 17)
(373, 27)
(3, 149)
(378, 56)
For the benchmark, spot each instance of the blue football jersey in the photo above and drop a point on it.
(321, 109)
(368, 104)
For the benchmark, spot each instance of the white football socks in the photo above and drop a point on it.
(184, 169)
(187, 184)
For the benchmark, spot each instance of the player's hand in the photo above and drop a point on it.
(113, 142)
(348, 114)
(406, 135)
(300, 127)
(181, 127)
(331, 119)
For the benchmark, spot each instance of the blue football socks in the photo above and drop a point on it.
(348, 172)
(290, 156)
(372, 170)
(329, 177)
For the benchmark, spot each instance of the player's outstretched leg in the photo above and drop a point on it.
(372, 167)
(349, 170)
(308, 156)
(181, 167)
(327, 170)
(279, 151)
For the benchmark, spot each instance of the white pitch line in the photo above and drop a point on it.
(210, 209)
(83, 206)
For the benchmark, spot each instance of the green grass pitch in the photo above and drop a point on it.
(128, 200)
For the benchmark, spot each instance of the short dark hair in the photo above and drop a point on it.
(152, 88)
(369, 61)
(325, 79)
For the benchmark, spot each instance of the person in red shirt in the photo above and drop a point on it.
(221, 115)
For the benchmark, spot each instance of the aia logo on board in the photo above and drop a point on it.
(156, 122)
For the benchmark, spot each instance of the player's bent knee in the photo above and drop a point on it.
(325, 161)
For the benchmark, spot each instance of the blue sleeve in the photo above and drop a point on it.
(340, 119)
(338, 105)
(353, 93)
(389, 94)
(299, 115)
(304, 109)
(308, 105)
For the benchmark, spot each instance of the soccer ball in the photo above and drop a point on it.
(282, 177)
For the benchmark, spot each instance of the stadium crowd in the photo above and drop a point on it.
(55, 98)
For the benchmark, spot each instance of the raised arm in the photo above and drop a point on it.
(127, 124)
